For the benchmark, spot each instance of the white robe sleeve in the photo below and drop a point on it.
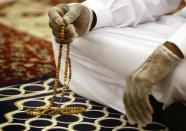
(121, 13)
(179, 39)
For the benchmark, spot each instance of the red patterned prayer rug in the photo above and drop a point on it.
(23, 56)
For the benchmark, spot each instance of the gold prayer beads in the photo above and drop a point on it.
(67, 76)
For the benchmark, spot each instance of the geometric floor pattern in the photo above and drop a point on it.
(15, 98)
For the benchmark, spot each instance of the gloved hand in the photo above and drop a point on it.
(77, 17)
(139, 84)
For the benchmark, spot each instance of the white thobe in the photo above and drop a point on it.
(126, 33)
(122, 13)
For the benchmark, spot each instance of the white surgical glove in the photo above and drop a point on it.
(139, 84)
(77, 17)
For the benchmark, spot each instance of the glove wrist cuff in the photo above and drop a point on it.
(158, 65)
(90, 21)
(165, 64)
(169, 54)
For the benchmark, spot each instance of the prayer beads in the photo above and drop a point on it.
(67, 76)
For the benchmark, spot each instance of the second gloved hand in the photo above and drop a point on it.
(139, 84)
(77, 17)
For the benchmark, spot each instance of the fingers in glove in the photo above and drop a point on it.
(145, 115)
(57, 28)
(142, 115)
(141, 93)
(136, 109)
(72, 14)
(54, 26)
(65, 41)
(129, 114)
(148, 111)
(68, 35)
(133, 116)
(145, 103)
(136, 101)
(56, 15)
(63, 8)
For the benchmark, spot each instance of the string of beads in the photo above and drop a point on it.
(67, 76)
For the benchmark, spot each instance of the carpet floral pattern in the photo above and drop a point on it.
(23, 56)
(25, 47)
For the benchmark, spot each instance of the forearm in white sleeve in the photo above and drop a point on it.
(121, 13)
(179, 39)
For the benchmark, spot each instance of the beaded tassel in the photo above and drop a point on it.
(67, 76)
